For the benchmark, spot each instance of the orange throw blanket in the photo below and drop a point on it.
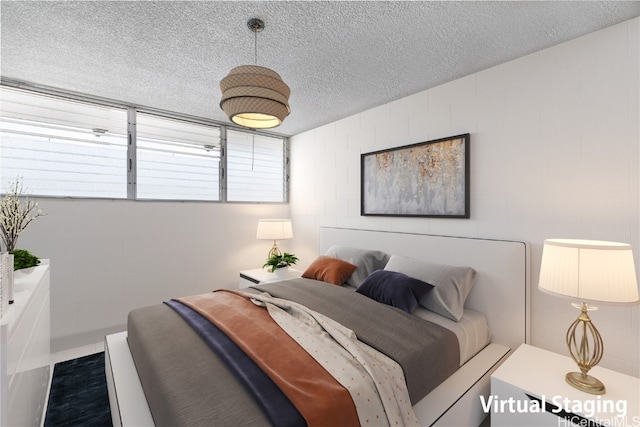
(321, 400)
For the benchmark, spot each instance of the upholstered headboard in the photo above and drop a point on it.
(501, 290)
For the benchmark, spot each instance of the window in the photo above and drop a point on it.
(61, 147)
(80, 146)
(177, 159)
(256, 168)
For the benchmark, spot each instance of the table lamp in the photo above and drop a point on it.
(274, 229)
(588, 271)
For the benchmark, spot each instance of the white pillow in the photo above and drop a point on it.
(366, 260)
(451, 285)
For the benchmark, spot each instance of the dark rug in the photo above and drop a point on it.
(79, 395)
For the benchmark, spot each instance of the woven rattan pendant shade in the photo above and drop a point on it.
(252, 96)
(255, 97)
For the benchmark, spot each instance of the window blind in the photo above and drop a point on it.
(177, 159)
(62, 147)
(255, 165)
(70, 145)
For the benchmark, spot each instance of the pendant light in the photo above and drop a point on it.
(252, 96)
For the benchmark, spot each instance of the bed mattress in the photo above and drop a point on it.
(472, 330)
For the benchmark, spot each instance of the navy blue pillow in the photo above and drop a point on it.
(395, 289)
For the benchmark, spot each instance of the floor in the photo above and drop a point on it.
(74, 353)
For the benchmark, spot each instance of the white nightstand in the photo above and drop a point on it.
(529, 389)
(259, 276)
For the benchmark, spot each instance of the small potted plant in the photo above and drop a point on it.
(277, 261)
(16, 213)
(24, 260)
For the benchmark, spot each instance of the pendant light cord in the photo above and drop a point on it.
(255, 48)
(253, 151)
(256, 25)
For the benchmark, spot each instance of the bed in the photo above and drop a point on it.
(494, 320)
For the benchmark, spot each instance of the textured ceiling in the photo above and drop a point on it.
(339, 58)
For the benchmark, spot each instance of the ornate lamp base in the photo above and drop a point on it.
(585, 383)
(585, 351)
(274, 250)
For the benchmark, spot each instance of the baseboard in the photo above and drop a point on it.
(69, 342)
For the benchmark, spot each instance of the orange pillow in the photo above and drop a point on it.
(331, 270)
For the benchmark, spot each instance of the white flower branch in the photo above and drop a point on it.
(16, 213)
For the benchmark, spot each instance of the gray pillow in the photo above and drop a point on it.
(366, 260)
(451, 285)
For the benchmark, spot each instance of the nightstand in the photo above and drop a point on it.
(529, 389)
(260, 276)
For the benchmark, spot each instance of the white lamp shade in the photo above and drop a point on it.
(589, 271)
(274, 229)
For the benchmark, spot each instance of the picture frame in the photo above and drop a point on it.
(427, 179)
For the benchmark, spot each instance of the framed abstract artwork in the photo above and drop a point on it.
(428, 179)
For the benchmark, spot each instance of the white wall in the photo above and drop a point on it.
(554, 153)
(110, 256)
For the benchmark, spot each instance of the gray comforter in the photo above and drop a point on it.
(171, 358)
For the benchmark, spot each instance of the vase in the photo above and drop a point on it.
(4, 283)
(11, 279)
(281, 272)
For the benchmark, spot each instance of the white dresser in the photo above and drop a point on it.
(25, 335)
